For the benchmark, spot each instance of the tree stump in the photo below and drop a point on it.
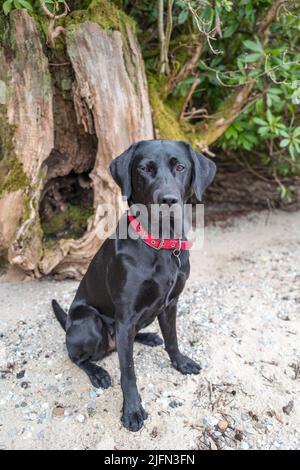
(64, 115)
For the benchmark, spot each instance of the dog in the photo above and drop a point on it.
(130, 282)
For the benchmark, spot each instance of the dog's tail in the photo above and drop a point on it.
(60, 314)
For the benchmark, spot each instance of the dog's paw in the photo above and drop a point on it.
(133, 418)
(101, 378)
(149, 339)
(185, 365)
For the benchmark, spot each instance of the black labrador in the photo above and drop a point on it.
(128, 283)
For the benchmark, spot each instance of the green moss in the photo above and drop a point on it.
(26, 208)
(12, 176)
(165, 119)
(15, 178)
(103, 12)
(71, 223)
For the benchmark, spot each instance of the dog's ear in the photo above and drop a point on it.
(120, 169)
(203, 172)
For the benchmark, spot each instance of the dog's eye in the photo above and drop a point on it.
(146, 169)
(179, 167)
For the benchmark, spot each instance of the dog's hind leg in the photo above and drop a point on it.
(86, 342)
(149, 339)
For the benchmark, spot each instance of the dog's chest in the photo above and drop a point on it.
(166, 283)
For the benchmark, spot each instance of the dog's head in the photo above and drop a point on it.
(162, 172)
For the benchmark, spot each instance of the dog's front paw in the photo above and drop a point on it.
(185, 365)
(133, 417)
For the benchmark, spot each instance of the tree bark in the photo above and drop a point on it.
(27, 117)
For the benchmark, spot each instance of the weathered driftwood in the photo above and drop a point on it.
(61, 120)
(26, 139)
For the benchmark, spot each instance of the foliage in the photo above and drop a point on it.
(55, 6)
(9, 5)
(235, 53)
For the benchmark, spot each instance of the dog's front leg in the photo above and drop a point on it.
(133, 413)
(167, 323)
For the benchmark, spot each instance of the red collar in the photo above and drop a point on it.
(166, 244)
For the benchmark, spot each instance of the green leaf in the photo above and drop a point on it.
(252, 58)
(260, 122)
(7, 6)
(292, 152)
(284, 133)
(254, 46)
(275, 51)
(259, 106)
(263, 131)
(26, 5)
(227, 33)
(284, 143)
(296, 132)
(275, 91)
(183, 15)
(269, 115)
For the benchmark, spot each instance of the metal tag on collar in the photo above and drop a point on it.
(177, 253)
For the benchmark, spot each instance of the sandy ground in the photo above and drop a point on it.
(239, 315)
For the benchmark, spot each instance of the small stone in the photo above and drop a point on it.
(21, 374)
(92, 409)
(168, 393)
(80, 419)
(41, 435)
(25, 385)
(253, 416)
(58, 411)
(283, 316)
(238, 435)
(245, 416)
(288, 408)
(175, 404)
(95, 393)
(210, 421)
(222, 425)
(250, 431)
(154, 432)
(245, 445)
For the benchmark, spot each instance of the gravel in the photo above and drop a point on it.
(239, 316)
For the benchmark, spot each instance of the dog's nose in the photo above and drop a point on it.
(169, 199)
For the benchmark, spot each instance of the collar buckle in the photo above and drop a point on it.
(159, 246)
